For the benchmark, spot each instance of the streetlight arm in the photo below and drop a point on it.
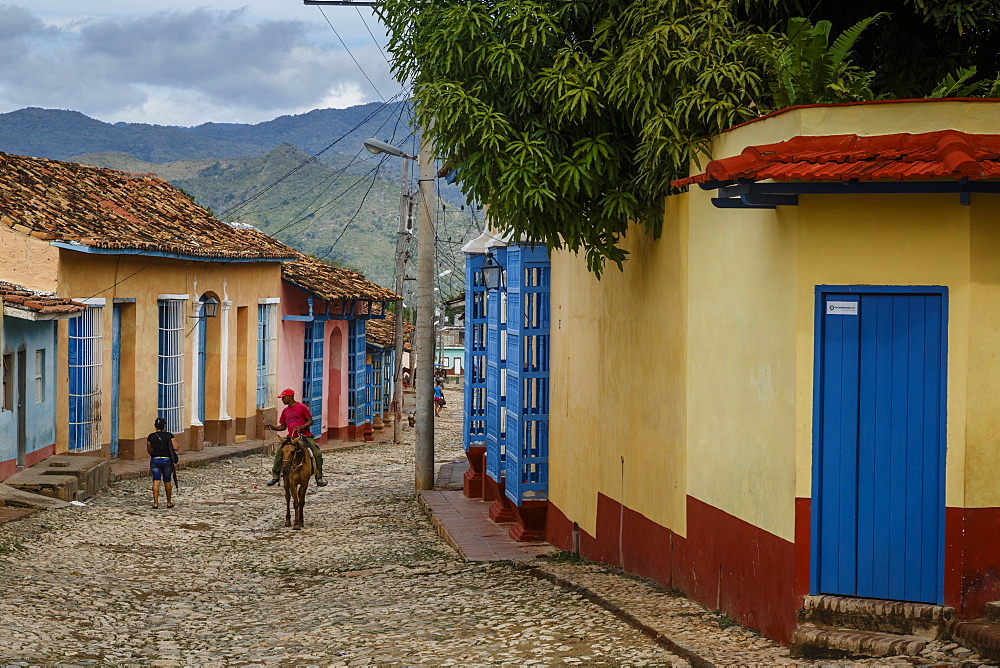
(375, 146)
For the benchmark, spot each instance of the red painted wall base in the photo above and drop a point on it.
(724, 562)
(472, 480)
(9, 467)
(529, 521)
(501, 510)
(971, 559)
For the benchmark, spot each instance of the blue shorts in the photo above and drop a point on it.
(161, 467)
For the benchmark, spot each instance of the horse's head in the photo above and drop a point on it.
(288, 449)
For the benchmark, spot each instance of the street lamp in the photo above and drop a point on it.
(492, 273)
(375, 146)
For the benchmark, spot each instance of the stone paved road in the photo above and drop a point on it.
(219, 580)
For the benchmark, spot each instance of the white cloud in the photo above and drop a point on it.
(181, 67)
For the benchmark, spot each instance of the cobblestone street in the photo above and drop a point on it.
(219, 580)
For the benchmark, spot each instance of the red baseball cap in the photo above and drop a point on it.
(287, 393)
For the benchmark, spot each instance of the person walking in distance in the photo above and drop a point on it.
(297, 419)
(439, 402)
(162, 458)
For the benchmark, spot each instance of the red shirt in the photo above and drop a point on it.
(295, 416)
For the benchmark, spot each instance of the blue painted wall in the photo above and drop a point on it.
(41, 416)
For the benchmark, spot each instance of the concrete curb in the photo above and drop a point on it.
(539, 573)
(436, 523)
(658, 637)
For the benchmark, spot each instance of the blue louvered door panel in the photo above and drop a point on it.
(474, 387)
(880, 445)
(496, 400)
(357, 381)
(312, 371)
(528, 291)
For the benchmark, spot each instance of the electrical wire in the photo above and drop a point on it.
(365, 74)
(312, 158)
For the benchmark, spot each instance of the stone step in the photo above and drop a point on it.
(992, 611)
(811, 641)
(878, 615)
(980, 635)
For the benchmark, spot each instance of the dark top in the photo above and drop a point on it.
(161, 444)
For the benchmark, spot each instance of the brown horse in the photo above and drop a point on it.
(296, 469)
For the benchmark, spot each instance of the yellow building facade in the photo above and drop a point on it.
(685, 447)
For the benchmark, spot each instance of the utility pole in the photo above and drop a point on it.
(423, 342)
(401, 237)
(424, 335)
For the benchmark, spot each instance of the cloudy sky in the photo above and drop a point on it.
(185, 62)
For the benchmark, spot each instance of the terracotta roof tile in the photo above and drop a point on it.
(108, 209)
(33, 300)
(332, 283)
(382, 332)
(945, 154)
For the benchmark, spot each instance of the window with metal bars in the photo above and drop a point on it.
(267, 354)
(85, 359)
(170, 367)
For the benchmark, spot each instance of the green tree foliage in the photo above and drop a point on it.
(913, 50)
(571, 117)
(806, 69)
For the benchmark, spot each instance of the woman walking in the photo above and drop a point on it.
(439, 402)
(162, 457)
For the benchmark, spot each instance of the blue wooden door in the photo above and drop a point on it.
(312, 372)
(880, 444)
(202, 364)
(116, 349)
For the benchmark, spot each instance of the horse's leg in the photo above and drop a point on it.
(300, 502)
(288, 502)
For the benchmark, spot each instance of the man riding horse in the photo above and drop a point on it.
(297, 419)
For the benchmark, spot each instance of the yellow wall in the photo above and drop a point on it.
(695, 364)
(981, 465)
(83, 275)
(27, 261)
(618, 381)
(886, 240)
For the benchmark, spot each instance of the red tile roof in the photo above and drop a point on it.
(946, 154)
(33, 300)
(332, 283)
(108, 209)
(382, 332)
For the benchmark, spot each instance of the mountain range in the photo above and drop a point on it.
(304, 179)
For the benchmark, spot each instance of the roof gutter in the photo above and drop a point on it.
(83, 248)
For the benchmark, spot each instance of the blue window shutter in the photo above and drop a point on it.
(474, 386)
(527, 438)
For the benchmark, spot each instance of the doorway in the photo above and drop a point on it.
(879, 442)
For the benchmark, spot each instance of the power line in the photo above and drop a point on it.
(365, 74)
(312, 158)
(360, 206)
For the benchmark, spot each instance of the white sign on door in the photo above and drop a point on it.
(842, 308)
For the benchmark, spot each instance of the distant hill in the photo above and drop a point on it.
(59, 134)
(332, 207)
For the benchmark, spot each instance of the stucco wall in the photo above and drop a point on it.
(28, 261)
(618, 391)
(40, 422)
(681, 429)
(83, 275)
(745, 281)
(290, 370)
